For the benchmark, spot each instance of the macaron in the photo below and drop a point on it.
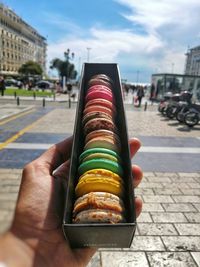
(98, 207)
(98, 108)
(98, 200)
(99, 87)
(102, 133)
(97, 81)
(92, 151)
(99, 123)
(103, 163)
(97, 93)
(99, 180)
(98, 216)
(94, 115)
(101, 102)
(102, 77)
(105, 142)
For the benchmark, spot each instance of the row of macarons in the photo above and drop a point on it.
(99, 190)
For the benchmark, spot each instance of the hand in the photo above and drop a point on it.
(39, 210)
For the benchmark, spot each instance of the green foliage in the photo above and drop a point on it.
(30, 68)
(64, 67)
(23, 92)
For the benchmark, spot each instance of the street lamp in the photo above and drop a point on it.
(88, 53)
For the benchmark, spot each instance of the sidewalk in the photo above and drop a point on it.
(168, 230)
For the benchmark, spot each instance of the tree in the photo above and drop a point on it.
(30, 68)
(64, 67)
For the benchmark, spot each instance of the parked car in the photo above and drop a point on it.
(44, 85)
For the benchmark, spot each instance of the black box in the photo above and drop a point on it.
(100, 235)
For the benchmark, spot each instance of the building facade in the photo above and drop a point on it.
(19, 43)
(192, 66)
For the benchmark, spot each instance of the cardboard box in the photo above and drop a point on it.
(100, 235)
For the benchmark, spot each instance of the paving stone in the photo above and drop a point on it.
(168, 174)
(7, 205)
(12, 172)
(193, 217)
(186, 199)
(167, 191)
(170, 259)
(95, 261)
(186, 179)
(144, 191)
(8, 196)
(144, 217)
(194, 191)
(3, 214)
(152, 207)
(4, 182)
(9, 189)
(197, 206)
(188, 229)
(194, 185)
(147, 243)
(167, 217)
(147, 174)
(158, 199)
(158, 229)
(4, 226)
(181, 243)
(150, 185)
(159, 179)
(176, 185)
(196, 257)
(188, 174)
(124, 259)
(179, 207)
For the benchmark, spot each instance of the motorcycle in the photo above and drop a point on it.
(192, 117)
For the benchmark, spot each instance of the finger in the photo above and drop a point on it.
(137, 175)
(135, 144)
(84, 255)
(138, 206)
(56, 155)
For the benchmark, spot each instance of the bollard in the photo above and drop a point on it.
(145, 106)
(54, 97)
(43, 102)
(18, 101)
(15, 94)
(34, 95)
(69, 99)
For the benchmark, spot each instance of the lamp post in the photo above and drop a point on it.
(88, 53)
(68, 56)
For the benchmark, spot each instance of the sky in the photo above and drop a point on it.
(142, 36)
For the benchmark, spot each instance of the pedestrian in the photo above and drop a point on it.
(140, 95)
(2, 85)
(35, 237)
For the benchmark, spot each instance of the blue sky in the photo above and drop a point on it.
(143, 37)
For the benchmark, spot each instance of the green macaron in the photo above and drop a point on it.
(102, 164)
(98, 150)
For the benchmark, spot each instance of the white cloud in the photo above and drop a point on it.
(169, 27)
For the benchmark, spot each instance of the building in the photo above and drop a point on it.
(192, 66)
(165, 82)
(19, 43)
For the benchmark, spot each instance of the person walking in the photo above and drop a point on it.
(140, 95)
(2, 85)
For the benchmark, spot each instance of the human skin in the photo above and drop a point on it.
(35, 237)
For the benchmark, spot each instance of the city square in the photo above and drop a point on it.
(49, 56)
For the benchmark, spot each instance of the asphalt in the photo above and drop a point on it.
(168, 231)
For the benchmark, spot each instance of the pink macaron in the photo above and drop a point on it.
(99, 94)
(101, 102)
